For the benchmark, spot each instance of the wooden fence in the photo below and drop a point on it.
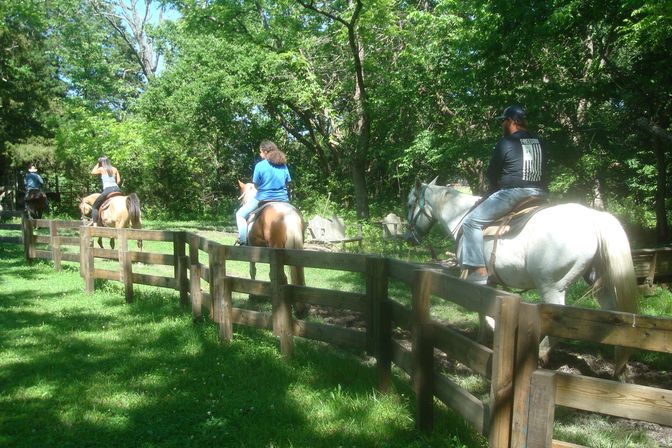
(519, 409)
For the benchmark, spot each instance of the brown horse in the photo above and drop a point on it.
(36, 204)
(277, 225)
(119, 212)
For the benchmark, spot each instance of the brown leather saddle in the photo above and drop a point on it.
(35, 194)
(515, 220)
(106, 204)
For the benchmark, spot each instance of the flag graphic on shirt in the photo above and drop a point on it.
(532, 159)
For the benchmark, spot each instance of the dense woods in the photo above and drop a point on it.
(363, 95)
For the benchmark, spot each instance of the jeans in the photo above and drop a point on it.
(492, 208)
(241, 219)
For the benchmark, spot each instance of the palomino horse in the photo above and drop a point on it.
(36, 203)
(277, 225)
(119, 212)
(557, 246)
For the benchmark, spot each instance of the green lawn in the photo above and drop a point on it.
(78, 370)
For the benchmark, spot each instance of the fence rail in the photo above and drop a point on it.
(519, 409)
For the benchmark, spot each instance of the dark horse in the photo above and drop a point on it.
(36, 204)
(277, 225)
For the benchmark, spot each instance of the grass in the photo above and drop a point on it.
(146, 364)
(90, 370)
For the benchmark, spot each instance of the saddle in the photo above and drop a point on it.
(105, 205)
(251, 219)
(515, 220)
(510, 225)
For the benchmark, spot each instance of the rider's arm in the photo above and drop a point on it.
(117, 176)
(96, 169)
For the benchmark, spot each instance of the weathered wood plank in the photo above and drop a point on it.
(42, 254)
(542, 408)
(325, 297)
(470, 353)
(252, 318)
(423, 352)
(614, 398)
(338, 336)
(326, 260)
(247, 253)
(401, 316)
(469, 296)
(155, 280)
(11, 239)
(607, 327)
(402, 270)
(109, 254)
(152, 258)
(461, 401)
(106, 274)
(402, 357)
(254, 287)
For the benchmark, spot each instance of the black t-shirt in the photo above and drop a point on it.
(519, 160)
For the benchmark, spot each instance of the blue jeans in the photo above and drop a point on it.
(241, 219)
(491, 209)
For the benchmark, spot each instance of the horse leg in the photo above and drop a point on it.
(100, 242)
(553, 296)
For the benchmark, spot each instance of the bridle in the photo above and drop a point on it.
(421, 206)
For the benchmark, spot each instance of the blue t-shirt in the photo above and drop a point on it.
(271, 181)
(33, 181)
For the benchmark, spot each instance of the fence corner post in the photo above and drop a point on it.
(379, 325)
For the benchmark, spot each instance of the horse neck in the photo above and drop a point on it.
(449, 207)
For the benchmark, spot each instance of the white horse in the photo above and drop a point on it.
(558, 245)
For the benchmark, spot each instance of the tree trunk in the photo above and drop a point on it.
(358, 173)
(662, 228)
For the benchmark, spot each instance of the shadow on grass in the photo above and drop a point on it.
(90, 370)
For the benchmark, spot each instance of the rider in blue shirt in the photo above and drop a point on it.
(33, 184)
(270, 177)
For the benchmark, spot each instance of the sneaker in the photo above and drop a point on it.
(477, 279)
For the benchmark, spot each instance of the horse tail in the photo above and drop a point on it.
(615, 272)
(133, 206)
(294, 233)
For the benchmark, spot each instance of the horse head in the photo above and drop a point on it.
(419, 217)
(247, 192)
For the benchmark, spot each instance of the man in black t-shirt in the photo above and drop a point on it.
(516, 171)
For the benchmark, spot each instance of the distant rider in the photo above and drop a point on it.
(110, 178)
(33, 185)
(270, 177)
(516, 171)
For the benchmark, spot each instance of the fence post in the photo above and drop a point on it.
(527, 360)
(86, 258)
(182, 280)
(27, 230)
(283, 325)
(379, 325)
(501, 384)
(217, 262)
(178, 251)
(423, 352)
(195, 277)
(55, 243)
(223, 307)
(542, 401)
(125, 264)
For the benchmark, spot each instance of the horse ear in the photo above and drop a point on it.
(241, 185)
(434, 181)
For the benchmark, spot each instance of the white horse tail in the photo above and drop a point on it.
(615, 273)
